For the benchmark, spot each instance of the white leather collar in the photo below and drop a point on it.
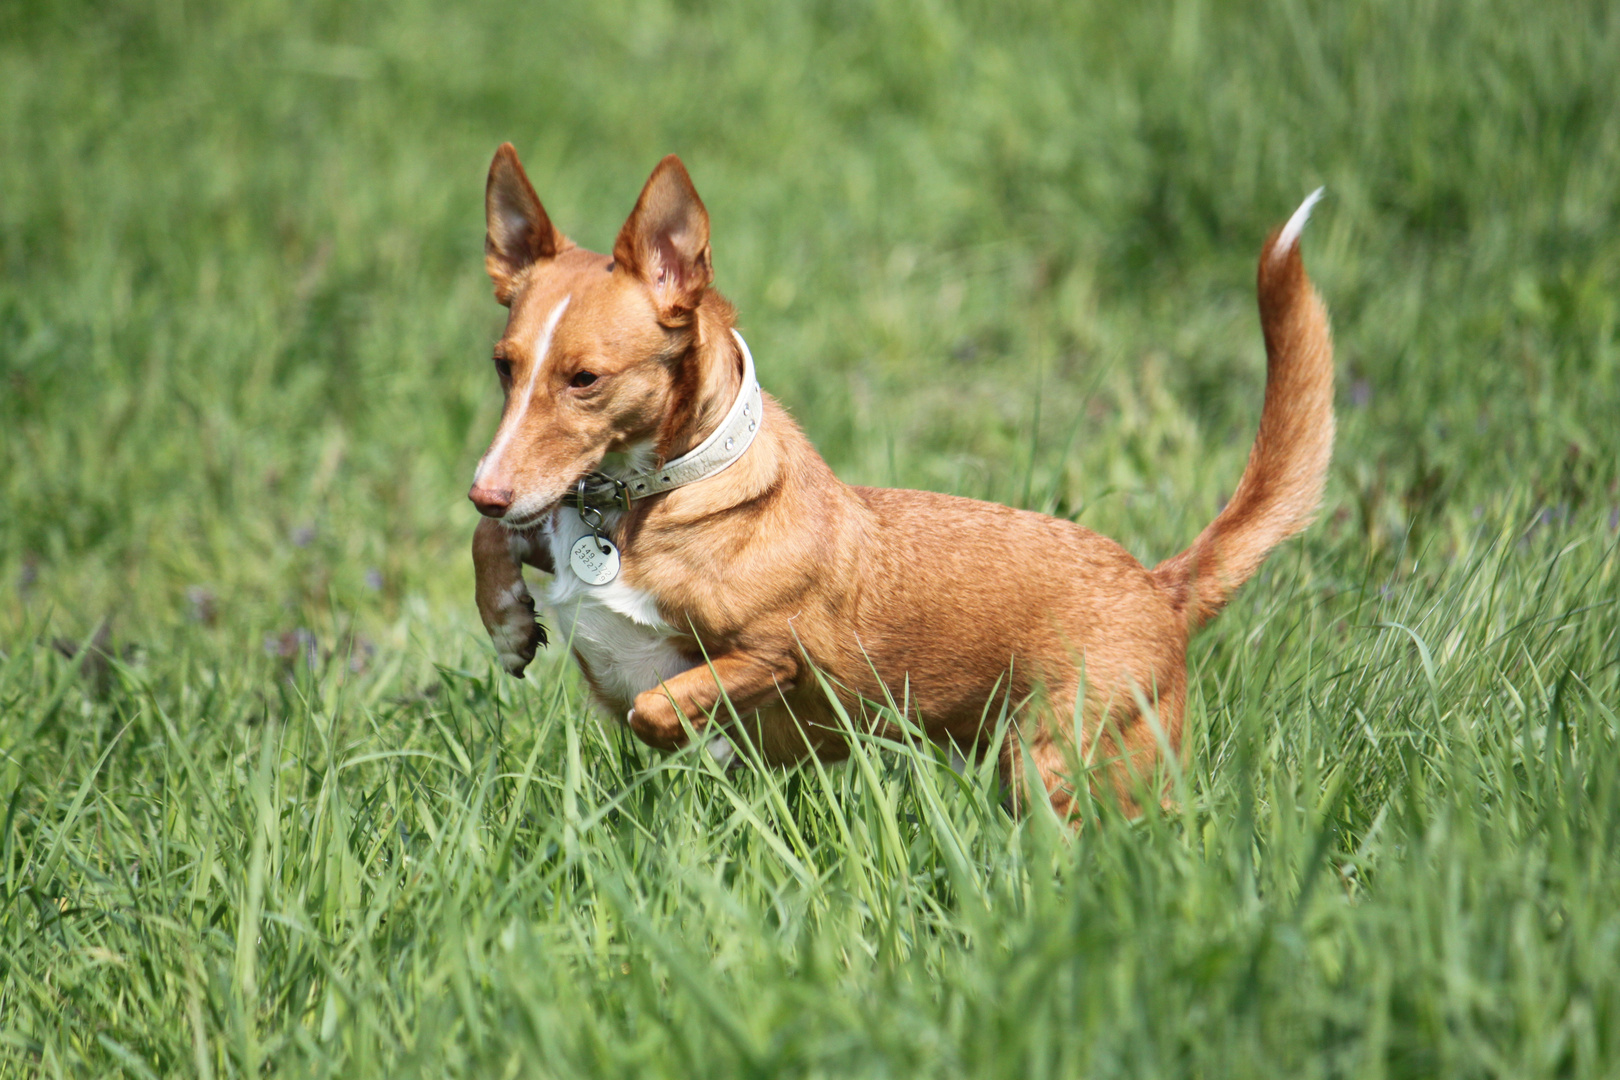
(713, 455)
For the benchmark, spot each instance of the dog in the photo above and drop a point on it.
(709, 570)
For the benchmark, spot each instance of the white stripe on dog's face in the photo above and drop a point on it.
(491, 461)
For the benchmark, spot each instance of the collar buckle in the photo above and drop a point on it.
(599, 491)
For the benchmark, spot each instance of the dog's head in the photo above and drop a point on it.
(597, 352)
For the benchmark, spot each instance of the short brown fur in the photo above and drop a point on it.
(774, 569)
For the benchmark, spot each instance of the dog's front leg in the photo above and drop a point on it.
(746, 680)
(504, 603)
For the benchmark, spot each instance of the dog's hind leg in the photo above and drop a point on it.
(1119, 759)
(1041, 757)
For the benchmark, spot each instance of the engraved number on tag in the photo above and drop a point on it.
(596, 562)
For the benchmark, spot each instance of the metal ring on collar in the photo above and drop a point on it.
(599, 491)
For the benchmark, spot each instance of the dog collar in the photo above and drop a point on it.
(713, 455)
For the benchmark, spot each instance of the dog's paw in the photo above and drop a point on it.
(515, 631)
(724, 753)
(655, 721)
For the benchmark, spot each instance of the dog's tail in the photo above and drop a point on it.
(1282, 484)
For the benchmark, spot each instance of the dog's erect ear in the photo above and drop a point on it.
(517, 231)
(665, 242)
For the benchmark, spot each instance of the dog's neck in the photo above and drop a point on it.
(708, 379)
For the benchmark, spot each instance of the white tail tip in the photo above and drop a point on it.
(1296, 225)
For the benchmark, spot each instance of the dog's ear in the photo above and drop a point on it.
(517, 231)
(665, 243)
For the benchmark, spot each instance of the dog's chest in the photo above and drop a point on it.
(614, 628)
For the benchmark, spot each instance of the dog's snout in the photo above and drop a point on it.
(491, 502)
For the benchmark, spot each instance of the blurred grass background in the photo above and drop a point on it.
(285, 819)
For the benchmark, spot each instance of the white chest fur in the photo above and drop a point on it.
(615, 628)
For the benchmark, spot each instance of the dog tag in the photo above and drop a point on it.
(596, 562)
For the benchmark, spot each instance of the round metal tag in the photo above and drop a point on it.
(595, 562)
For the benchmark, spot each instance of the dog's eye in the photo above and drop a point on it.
(583, 379)
(503, 368)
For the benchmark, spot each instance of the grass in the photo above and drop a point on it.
(284, 817)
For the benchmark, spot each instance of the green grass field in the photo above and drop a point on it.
(286, 819)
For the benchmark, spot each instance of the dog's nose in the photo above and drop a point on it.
(491, 502)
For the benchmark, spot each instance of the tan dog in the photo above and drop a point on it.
(750, 579)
